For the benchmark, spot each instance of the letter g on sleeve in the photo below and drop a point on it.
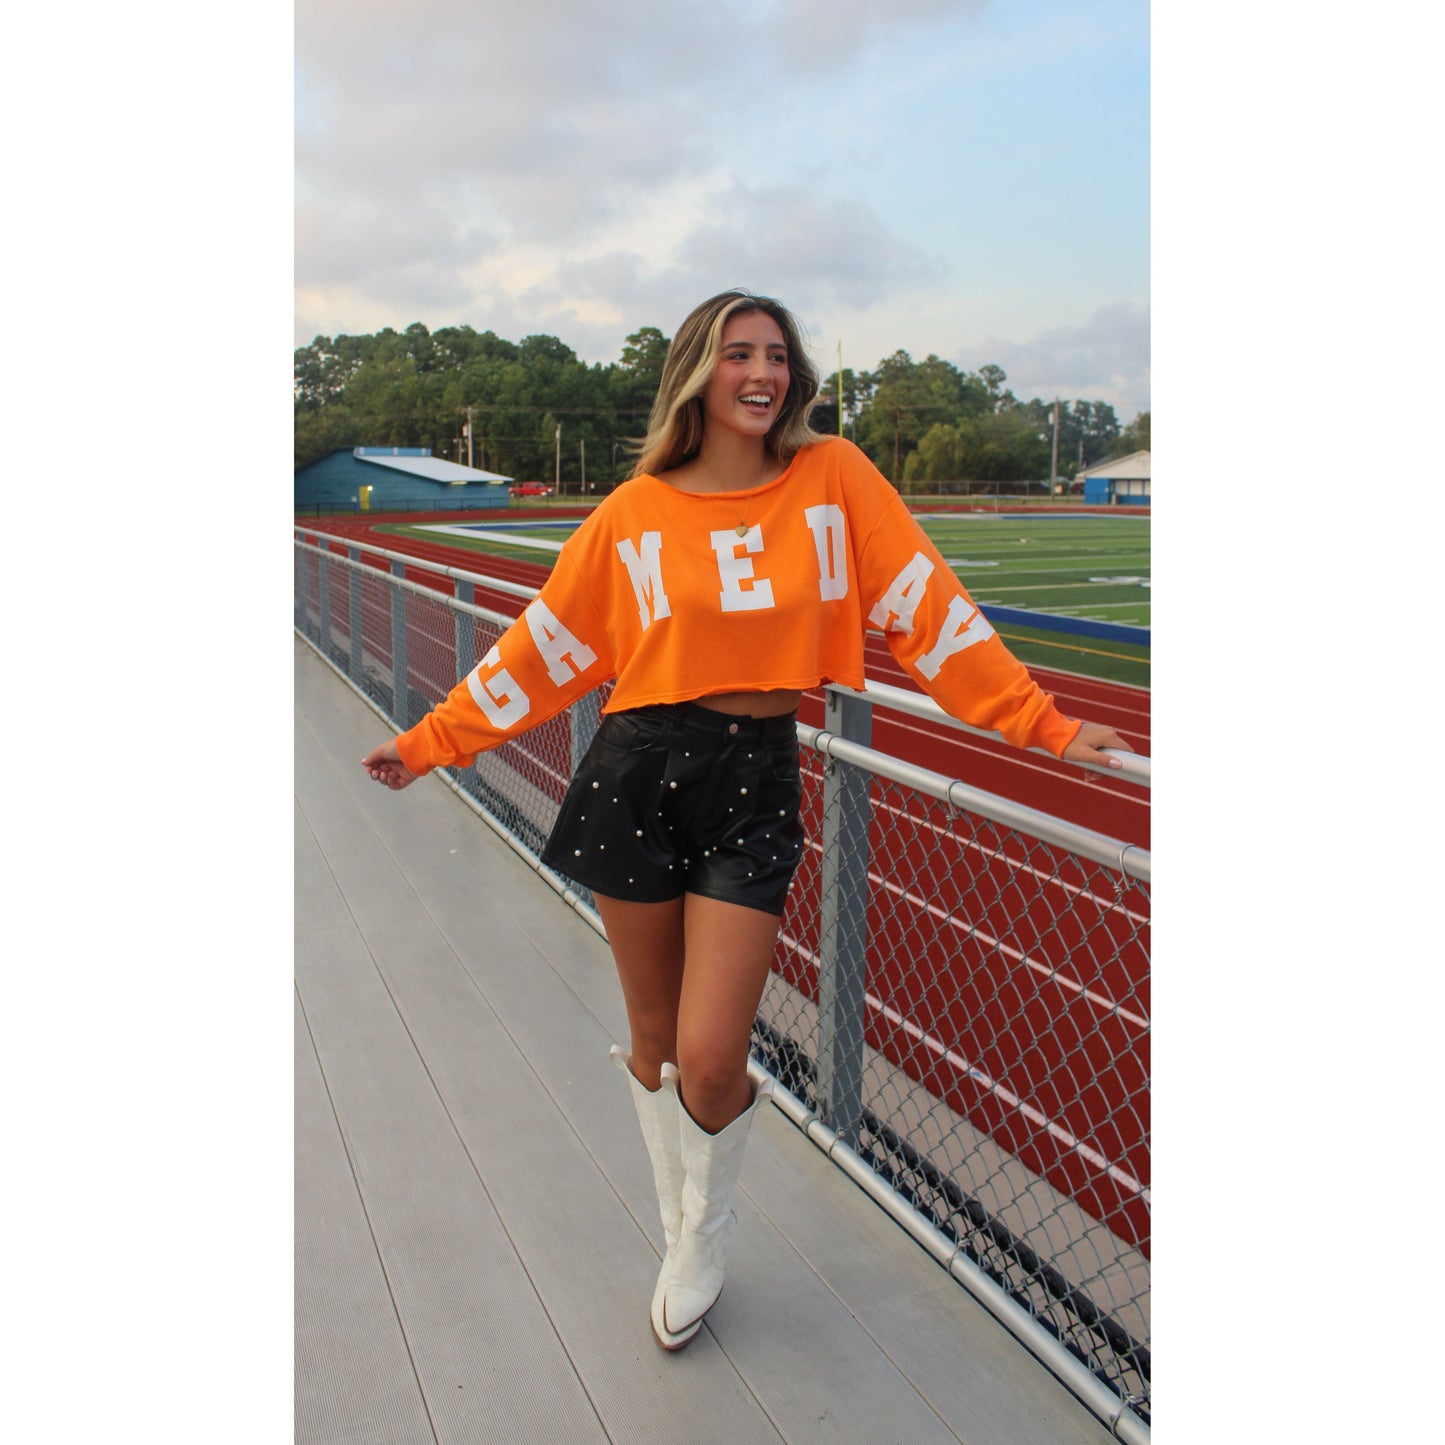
(499, 697)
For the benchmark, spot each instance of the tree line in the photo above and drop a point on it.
(532, 410)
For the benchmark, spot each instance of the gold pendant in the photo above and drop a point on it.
(741, 529)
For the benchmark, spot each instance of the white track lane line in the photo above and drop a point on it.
(1105, 905)
(1105, 1006)
(1005, 1096)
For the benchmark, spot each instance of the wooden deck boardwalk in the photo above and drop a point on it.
(475, 1234)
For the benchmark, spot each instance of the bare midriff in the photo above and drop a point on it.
(752, 704)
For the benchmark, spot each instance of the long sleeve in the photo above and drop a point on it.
(556, 651)
(942, 640)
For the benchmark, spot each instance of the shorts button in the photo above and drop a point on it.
(732, 727)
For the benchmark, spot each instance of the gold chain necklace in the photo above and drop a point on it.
(742, 528)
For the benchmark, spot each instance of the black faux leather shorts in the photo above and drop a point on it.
(678, 798)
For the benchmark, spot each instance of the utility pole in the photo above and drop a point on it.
(469, 436)
(1054, 475)
(557, 481)
(582, 442)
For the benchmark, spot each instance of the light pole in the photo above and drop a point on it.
(1054, 473)
(557, 479)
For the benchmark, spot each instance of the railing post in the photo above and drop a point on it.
(398, 648)
(324, 601)
(356, 660)
(466, 629)
(843, 922)
(309, 560)
(586, 714)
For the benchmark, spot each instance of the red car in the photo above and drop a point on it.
(530, 489)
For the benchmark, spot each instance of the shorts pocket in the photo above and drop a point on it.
(783, 767)
(627, 732)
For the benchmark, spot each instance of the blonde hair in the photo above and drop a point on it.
(675, 427)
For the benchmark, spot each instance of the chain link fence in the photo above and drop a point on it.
(960, 999)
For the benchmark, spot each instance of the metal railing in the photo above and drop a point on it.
(958, 1011)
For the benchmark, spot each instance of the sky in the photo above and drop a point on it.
(949, 177)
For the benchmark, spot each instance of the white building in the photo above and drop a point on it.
(1122, 480)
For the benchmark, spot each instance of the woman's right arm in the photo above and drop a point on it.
(384, 765)
(556, 651)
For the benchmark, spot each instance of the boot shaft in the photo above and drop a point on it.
(657, 1115)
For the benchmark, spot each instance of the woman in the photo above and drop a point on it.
(740, 563)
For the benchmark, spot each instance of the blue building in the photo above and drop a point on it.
(394, 479)
(1121, 481)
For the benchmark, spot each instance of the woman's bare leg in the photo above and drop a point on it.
(647, 945)
(729, 950)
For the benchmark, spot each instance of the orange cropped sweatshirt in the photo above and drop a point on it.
(659, 590)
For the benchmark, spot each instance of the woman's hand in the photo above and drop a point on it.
(384, 765)
(1086, 745)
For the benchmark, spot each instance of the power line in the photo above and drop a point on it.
(617, 411)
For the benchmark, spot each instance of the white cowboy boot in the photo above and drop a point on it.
(657, 1113)
(711, 1163)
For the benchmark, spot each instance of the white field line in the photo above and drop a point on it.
(972, 512)
(995, 587)
(507, 539)
(1005, 1096)
(1095, 606)
(1041, 565)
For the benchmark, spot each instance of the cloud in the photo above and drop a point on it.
(812, 248)
(550, 120)
(823, 35)
(1105, 359)
(391, 249)
(813, 252)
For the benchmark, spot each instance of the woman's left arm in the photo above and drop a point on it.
(1088, 741)
(941, 638)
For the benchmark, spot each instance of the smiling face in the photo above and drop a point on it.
(746, 391)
